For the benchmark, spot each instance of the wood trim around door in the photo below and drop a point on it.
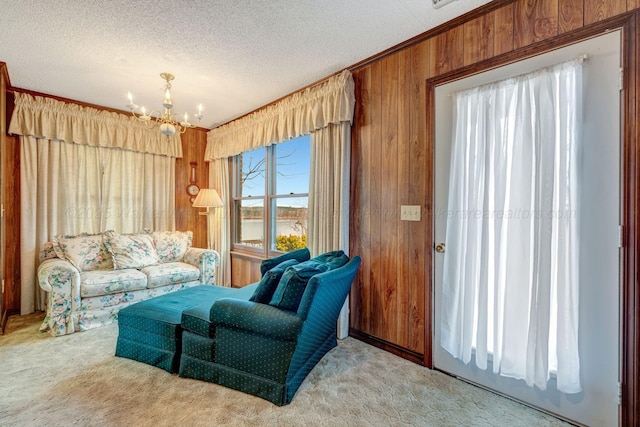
(630, 190)
(630, 348)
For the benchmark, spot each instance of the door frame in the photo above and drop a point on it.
(629, 191)
(4, 85)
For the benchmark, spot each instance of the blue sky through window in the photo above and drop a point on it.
(292, 167)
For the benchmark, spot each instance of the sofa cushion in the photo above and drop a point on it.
(289, 292)
(106, 282)
(86, 252)
(171, 245)
(269, 282)
(299, 255)
(130, 250)
(333, 259)
(170, 273)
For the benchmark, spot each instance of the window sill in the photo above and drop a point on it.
(248, 256)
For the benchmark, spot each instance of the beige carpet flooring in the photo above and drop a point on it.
(77, 380)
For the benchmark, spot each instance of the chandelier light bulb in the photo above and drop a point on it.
(167, 99)
(185, 122)
(144, 116)
(131, 106)
(199, 116)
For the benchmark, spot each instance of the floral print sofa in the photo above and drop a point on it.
(90, 277)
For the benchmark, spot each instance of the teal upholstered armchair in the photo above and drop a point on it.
(267, 345)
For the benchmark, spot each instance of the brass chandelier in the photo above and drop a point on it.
(168, 121)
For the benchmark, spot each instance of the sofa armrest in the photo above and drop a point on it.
(207, 260)
(61, 280)
(256, 318)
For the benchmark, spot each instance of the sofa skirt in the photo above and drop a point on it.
(278, 393)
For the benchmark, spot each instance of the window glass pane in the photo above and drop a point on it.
(292, 166)
(250, 222)
(289, 223)
(252, 173)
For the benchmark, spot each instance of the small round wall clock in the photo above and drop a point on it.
(193, 190)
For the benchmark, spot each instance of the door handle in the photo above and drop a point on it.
(440, 248)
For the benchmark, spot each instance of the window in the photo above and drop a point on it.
(271, 194)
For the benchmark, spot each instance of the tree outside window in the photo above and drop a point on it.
(271, 197)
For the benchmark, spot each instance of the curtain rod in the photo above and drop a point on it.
(580, 59)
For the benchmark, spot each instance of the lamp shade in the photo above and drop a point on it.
(207, 198)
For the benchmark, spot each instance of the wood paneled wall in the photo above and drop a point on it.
(391, 160)
(4, 83)
(389, 169)
(194, 143)
(5, 162)
(391, 157)
(245, 269)
(11, 188)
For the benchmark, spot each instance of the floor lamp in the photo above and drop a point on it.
(208, 198)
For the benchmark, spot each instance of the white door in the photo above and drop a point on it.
(599, 332)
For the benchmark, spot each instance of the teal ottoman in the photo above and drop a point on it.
(150, 331)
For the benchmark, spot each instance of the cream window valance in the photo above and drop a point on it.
(301, 113)
(56, 120)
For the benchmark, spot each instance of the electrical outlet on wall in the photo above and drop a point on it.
(437, 4)
(410, 212)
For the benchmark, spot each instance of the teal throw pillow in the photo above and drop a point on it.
(293, 283)
(333, 259)
(269, 282)
(299, 254)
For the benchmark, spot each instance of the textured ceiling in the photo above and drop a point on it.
(232, 56)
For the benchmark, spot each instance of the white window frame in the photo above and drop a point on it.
(269, 197)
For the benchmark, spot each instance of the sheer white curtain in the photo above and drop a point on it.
(510, 280)
(85, 170)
